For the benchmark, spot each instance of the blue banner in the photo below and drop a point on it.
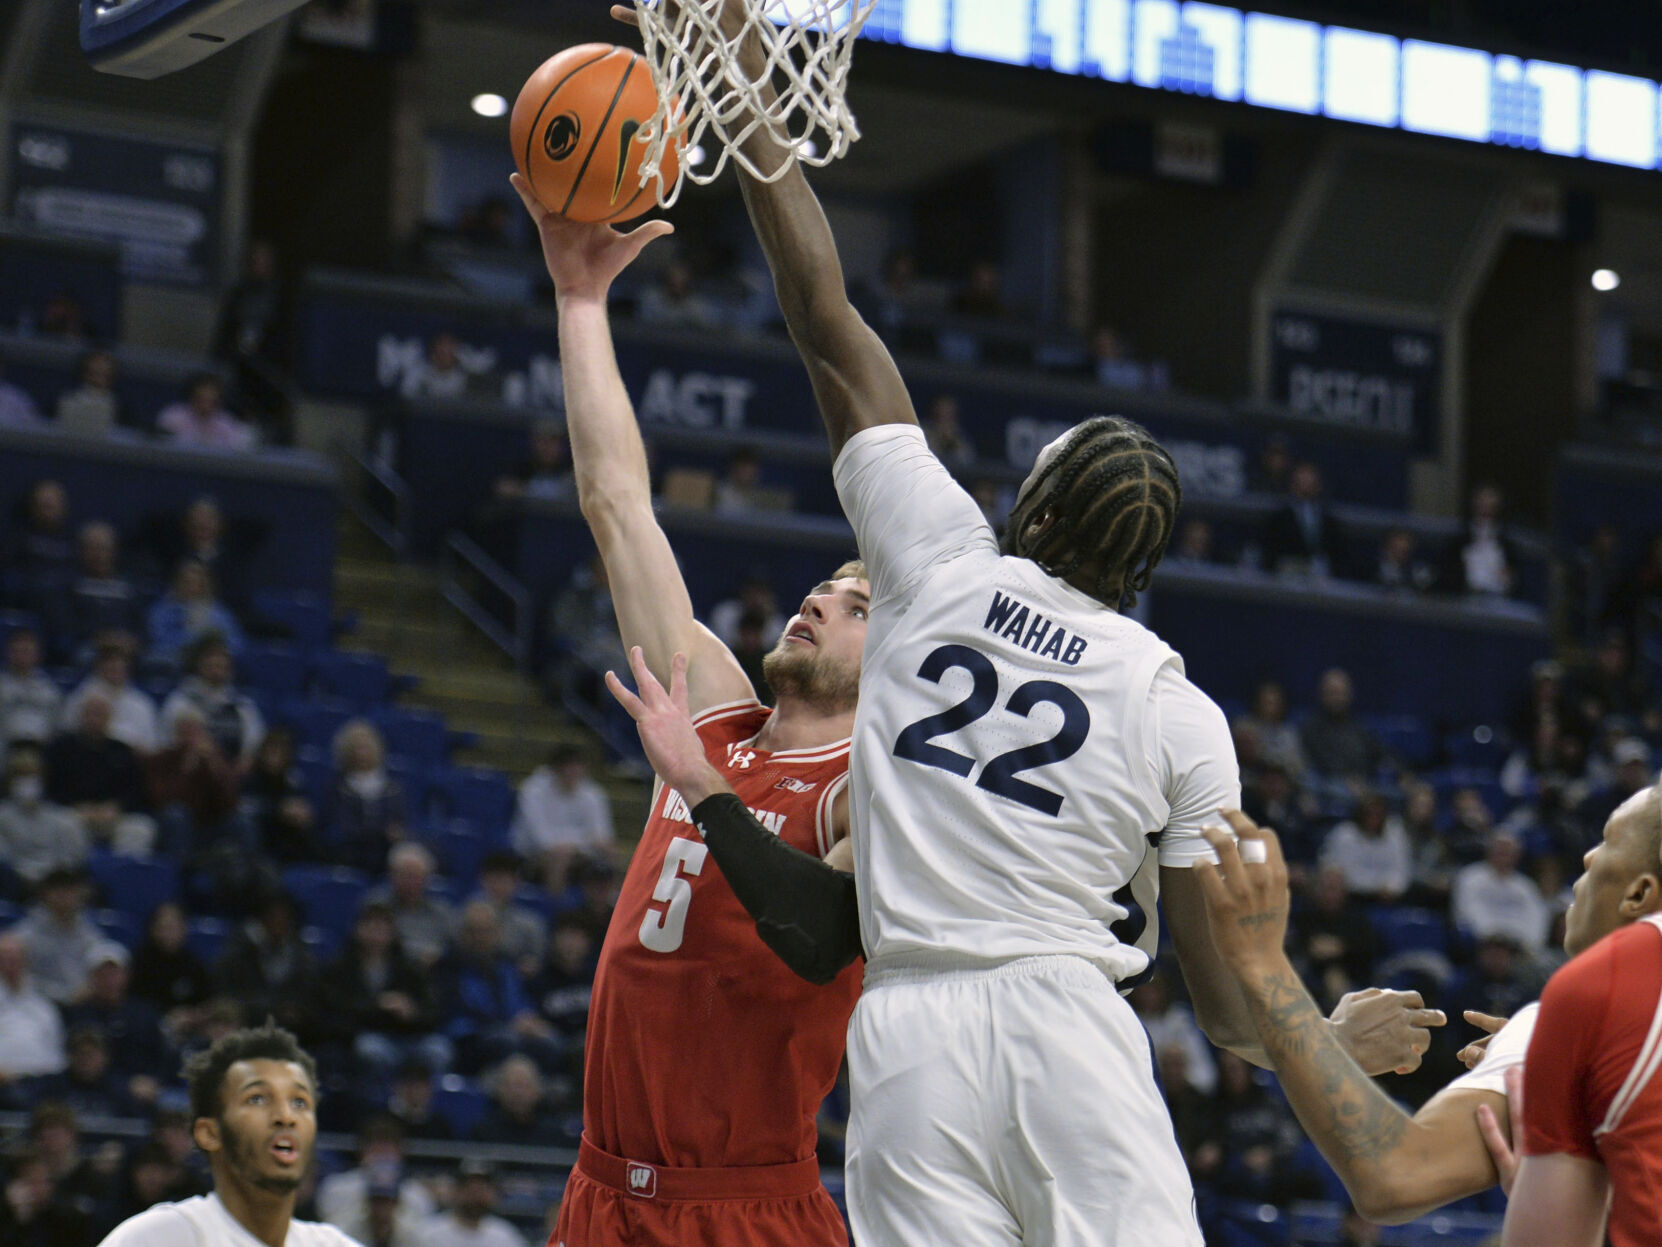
(1358, 374)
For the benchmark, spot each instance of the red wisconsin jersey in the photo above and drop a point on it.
(1590, 1084)
(704, 1050)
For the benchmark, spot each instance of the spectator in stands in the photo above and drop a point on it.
(385, 1009)
(64, 318)
(94, 598)
(167, 974)
(1271, 799)
(132, 713)
(545, 472)
(17, 408)
(518, 1116)
(755, 595)
(411, 1103)
(523, 932)
(101, 781)
(1641, 592)
(233, 720)
(1113, 366)
(1598, 588)
(1278, 740)
(251, 319)
(59, 937)
(203, 535)
(982, 293)
(92, 408)
(489, 1015)
(1545, 699)
(87, 1084)
(894, 297)
(561, 815)
(275, 803)
(1400, 568)
(596, 879)
(1487, 561)
(1272, 473)
(1499, 982)
(751, 648)
(37, 836)
(1372, 851)
(441, 375)
(1336, 941)
(371, 813)
(1172, 1023)
(740, 486)
(1609, 685)
(152, 1177)
(945, 434)
(29, 702)
(268, 970)
(425, 924)
(138, 1051)
(1193, 547)
(584, 632)
(31, 1029)
(1493, 897)
(81, 1182)
(1258, 1136)
(675, 302)
(343, 1198)
(41, 548)
(1631, 759)
(193, 789)
(470, 1222)
(201, 420)
(188, 612)
(1303, 536)
(1434, 862)
(32, 1215)
(566, 984)
(1336, 744)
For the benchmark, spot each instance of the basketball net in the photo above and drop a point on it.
(707, 102)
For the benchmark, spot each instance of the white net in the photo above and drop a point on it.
(709, 104)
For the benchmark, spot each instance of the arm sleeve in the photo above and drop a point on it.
(1559, 1115)
(805, 910)
(908, 514)
(1194, 761)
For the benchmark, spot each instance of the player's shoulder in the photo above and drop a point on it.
(318, 1234)
(731, 720)
(161, 1225)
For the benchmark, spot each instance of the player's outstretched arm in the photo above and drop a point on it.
(854, 378)
(1395, 1167)
(608, 458)
(804, 909)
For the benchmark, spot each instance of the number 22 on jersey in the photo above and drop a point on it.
(916, 743)
(663, 930)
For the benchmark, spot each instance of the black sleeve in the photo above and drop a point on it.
(804, 910)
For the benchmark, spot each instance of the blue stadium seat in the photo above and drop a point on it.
(206, 937)
(418, 735)
(12, 620)
(117, 926)
(322, 942)
(1404, 928)
(278, 669)
(317, 774)
(416, 781)
(305, 615)
(459, 847)
(329, 897)
(537, 900)
(484, 797)
(1241, 1223)
(9, 913)
(1408, 736)
(315, 720)
(461, 1103)
(1478, 747)
(1444, 1229)
(362, 679)
(132, 886)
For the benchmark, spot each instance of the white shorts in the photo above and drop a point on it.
(1011, 1105)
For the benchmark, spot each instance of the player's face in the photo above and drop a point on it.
(268, 1130)
(1613, 867)
(818, 655)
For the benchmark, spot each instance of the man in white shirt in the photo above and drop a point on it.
(59, 936)
(132, 713)
(1493, 897)
(31, 1029)
(253, 1098)
(29, 701)
(470, 1223)
(562, 814)
(1372, 851)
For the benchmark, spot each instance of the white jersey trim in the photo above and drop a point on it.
(809, 753)
(823, 814)
(1644, 1069)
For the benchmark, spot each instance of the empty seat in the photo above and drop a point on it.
(305, 615)
(362, 679)
(1478, 747)
(278, 669)
(459, 848)
(461, 1103)
(1406, 929)
(418, 735)
(329, 897)
(133, 886)
(1407, 736)
(206, 938)
(315, 720)
(483, 797)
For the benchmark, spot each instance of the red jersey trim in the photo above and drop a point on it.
(725, 710)
(811, 753)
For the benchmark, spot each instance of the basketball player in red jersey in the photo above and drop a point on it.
(1592, 1098)
(707, 1058)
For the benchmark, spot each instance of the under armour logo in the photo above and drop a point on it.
(643, 1180)
(742, 758)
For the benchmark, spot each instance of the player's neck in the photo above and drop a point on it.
(262, 1214)
(799, 724)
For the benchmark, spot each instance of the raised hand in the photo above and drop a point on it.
(1506, 1152)
(1385, 1031)
(1246, 893)
(584, 260)
(661, 717)
(1474, 1052)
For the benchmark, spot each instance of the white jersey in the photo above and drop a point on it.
(1505, 1051)
(1024, 757)
(204, 1222)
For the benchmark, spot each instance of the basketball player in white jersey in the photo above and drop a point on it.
(1029, 769)
(254, 1099)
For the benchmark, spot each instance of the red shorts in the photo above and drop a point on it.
(612, 1202)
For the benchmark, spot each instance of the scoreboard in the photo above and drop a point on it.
(1298, 66)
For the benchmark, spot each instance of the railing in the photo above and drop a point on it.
(473, 582)
(377, 496)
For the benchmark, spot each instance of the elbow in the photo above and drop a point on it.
(1230, 1034)
(1377, 1201)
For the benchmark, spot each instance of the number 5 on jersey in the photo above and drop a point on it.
(662, 931)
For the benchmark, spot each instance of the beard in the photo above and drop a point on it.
(243, 1157)
(810, 676)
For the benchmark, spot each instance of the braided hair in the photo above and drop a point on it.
(1114, 494)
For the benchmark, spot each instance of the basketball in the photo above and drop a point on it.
(573, 131)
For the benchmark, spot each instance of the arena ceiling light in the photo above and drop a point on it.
(490, 104)
(1606, 280)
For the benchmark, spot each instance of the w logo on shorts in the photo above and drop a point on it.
(643, 1180)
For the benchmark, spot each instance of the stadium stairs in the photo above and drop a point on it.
(502, 718)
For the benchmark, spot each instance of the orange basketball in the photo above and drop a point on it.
(573, 132)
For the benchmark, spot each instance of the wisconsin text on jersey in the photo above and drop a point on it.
(1016, 621)
(676, 811)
